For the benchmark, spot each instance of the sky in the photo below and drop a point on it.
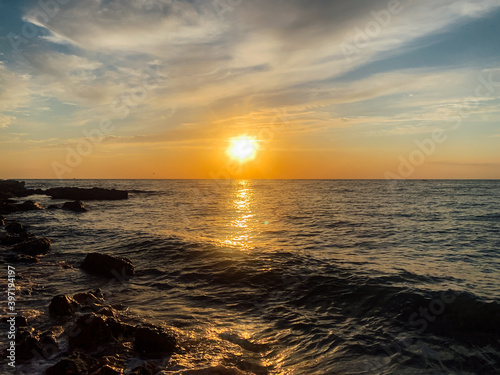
(324, 89)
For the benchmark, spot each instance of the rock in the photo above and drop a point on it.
(22, 258)
(53, 207)
(86, 194)
(75, 206)
(108, 370)
(62, 305)
(217, 370)
(29, 206)
(92, 332)
(15, 228)
(148, 368)
(34, 246)
(89, 298)
(75, 364)
(7, 208)
(2, 221)
(10, 239)
(107, 265)
(12, 188)
(27, 347)
(153, 341)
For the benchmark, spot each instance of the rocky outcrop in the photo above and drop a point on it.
(153, 341)
(217, 370)
(62, 305)
(34, 246)
(107, 265)
(86, 194)
(12, 189)
(76, 206)
(15, 228)
(29, 206)
(75, 363)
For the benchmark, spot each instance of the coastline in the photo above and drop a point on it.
(81, 333)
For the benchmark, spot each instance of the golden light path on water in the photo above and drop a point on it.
(243, 205)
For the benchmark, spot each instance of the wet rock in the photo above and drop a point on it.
(148, 368)
(53, 207)
(62, 305)
(12, 188)
(107, 265)
(89, 298)
(108, 370)
(217, 370)
(22, 258)
(86, 194)
(7, 208)
(34, 246)
(153, 341)
(119, 329)
(15, 228)
(10, 240)
(91, 331)
(76, 363)
(76, 206)
(29, 206)
(28, 347)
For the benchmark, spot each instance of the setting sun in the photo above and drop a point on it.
(242, 148)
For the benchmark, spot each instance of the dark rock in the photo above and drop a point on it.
(7, 208)
(15, 228)
(217, 370)
(107, 265)
(28, 347)
(62, 305)
(10, 239)
(2, 221)
(12, 188)
(86, 194)
(75, 364)
(108, 370)
(89, 298)
(91, 331)
(120, 329)
(29, 206)
(53, 207)
(75, 206)
(148, 368)
(153, 341)
(34, 246)
(22, 258)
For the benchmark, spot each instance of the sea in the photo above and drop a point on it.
(304, 277)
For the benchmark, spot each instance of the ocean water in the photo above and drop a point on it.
(293, 276)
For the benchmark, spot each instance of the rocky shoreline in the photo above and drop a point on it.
(81, 333)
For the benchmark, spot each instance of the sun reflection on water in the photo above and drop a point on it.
(242, 208)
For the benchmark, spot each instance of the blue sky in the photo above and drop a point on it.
(178, 79)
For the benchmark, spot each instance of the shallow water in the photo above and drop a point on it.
(294, 276)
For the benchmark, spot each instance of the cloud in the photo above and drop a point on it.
(14, 93)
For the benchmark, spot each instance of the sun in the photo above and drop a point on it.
(242, 148)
